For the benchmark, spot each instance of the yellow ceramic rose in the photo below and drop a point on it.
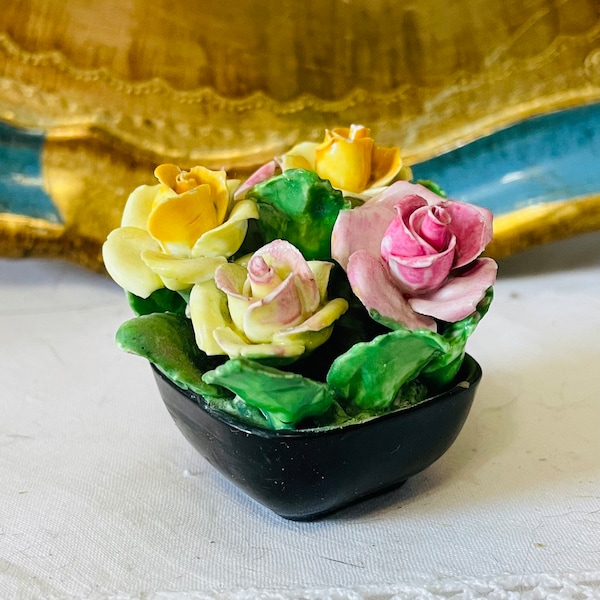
(174, 234)
(348, 157)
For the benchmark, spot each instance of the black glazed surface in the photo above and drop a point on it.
(303, 475)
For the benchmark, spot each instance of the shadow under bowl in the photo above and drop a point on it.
(306, 474)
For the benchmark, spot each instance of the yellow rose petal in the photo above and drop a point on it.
(354, 132)
(309, 340)
(237, 309)
(316, 330)
(301, 156)
(227, 238)
(235, 346)
(122, 258)
(325, 317)
(139, 204)
(232, 187)
(321, 270)
(177, 222)
(181, 273)
(346, 163)
(386, 164)
(208, 311)
(230, 342)
(279, 310)
(230, 279)
(167, 174)
(183, 182)
(219, 191)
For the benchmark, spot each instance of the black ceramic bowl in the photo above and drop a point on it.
(302, 475)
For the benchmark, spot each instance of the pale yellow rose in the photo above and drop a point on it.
(174, 234)
(274, 304)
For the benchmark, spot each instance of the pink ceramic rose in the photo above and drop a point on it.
(413, 256)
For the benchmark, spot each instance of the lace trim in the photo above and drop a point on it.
(566, 586)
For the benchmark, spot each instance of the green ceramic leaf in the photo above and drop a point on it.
(162, 300)
(411, 393)
(300, 207)
(442, 370)
(370, 374)
(386, 321)
(167, 340)
(285, 398)
(434, 187)
(237, 408)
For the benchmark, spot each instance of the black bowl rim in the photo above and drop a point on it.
(470, 373)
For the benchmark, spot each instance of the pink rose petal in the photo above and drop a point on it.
(280, 254)
(418, 274)
(230, 280)
(472, 227)
(283, 257)
(432, 225)
(400, 238)
(361, 228)
(280, 309)
(371, 282)
(398, 190)
(459, 297)
(261, 174)
(259, 271)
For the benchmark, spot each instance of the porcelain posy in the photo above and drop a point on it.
(324, 291)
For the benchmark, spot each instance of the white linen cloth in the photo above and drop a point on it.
(102, 497)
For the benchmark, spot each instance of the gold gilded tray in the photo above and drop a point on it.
(93, 96)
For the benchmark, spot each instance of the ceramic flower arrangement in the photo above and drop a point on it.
(327, 289)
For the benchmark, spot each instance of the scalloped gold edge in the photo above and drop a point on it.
(74, 116)
(25, 237)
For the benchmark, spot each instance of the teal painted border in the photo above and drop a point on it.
(540, 160)
(21, 182)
